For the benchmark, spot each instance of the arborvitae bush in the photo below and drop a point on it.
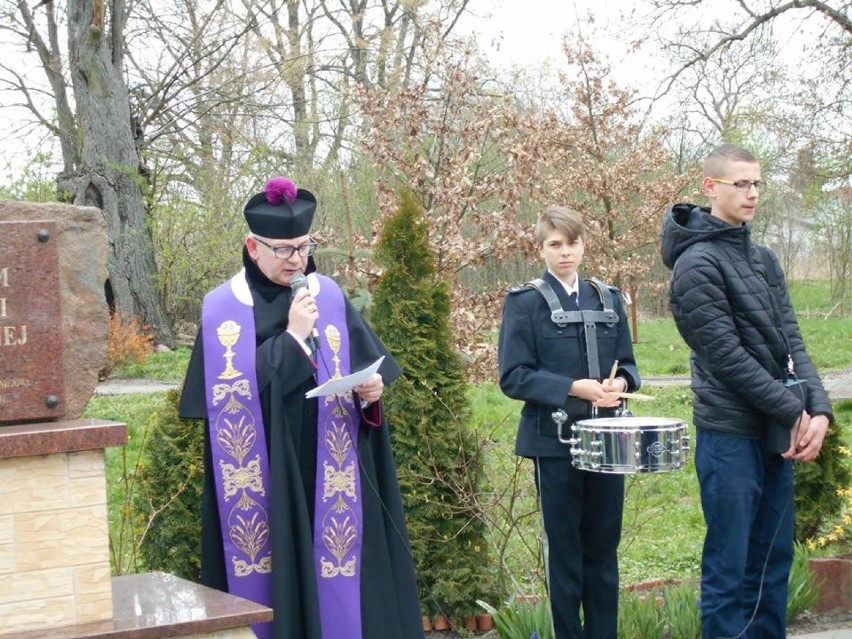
(168, 494)
(438, 456)
(818, 483)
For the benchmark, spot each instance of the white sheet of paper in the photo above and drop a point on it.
(344, 384)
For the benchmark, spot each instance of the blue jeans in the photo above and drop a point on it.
(747, 498)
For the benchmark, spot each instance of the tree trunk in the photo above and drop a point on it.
(108, 176)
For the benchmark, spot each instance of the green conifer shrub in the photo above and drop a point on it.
(168, 493)
(438, 457)
(818, 483)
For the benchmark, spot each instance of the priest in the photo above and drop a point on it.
(301, 508)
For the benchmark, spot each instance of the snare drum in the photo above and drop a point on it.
(629, 444)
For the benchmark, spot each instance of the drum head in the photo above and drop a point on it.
(626, 423)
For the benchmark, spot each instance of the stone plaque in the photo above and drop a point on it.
(32, 383)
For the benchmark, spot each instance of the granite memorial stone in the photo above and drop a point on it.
(31, 384)
(54, 320)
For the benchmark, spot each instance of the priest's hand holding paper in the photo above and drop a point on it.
(371, 390)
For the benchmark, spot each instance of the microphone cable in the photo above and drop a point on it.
(763, 574)
(388, 517)
(787, 505)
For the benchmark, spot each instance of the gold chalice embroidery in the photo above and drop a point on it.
(229, 334)
(332, 336)
(236, 435)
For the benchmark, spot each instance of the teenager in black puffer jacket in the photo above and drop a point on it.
(735, 315)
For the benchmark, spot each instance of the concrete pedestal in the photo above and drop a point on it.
(55, 579)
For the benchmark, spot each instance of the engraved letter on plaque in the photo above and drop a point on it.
(32, 384)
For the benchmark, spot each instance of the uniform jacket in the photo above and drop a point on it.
(723, 307)
(539, 361)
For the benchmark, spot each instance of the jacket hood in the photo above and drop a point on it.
(688, 224)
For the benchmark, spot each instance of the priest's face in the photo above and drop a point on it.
(279, 260)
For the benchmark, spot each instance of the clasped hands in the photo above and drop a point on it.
(601, 394)
(806, 437)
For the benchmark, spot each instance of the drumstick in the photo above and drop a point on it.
(613, 371)
(639, 396)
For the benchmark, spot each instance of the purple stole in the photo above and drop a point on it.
(338, 524)
(241, 465)
(238, 441)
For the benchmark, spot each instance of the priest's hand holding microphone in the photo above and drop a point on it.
(302, 324)
(302, 319)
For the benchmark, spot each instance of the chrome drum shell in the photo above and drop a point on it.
(629, 445)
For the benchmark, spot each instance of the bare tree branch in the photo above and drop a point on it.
(756, 21)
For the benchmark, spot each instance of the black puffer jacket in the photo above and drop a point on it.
(723, 307)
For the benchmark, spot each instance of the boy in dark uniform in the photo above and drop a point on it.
(549, 367)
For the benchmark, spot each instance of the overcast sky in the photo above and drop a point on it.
(526, 34)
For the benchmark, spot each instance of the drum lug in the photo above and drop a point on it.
(559, 418)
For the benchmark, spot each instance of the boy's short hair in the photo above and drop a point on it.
(562, 219)
(717, 160)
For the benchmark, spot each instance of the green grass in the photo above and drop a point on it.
(829, 342)
(663, 524)
(660, 351)
(121, 467)
(812, 298)
(164, 367)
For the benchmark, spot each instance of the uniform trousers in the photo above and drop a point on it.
(581, 514)
(747, 498)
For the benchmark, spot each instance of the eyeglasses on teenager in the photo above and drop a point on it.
(743, 186)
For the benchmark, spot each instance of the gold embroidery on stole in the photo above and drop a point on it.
(339, 522)
(236, 434)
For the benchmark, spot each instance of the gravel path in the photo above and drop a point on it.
(837, 383)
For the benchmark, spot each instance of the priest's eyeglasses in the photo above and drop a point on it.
(286, 252)
(743, 186)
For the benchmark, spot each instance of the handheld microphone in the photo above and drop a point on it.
(298, 281)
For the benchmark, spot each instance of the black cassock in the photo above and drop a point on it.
(389, 597)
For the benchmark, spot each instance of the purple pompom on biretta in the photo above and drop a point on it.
(281, 211)
(279, 189)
